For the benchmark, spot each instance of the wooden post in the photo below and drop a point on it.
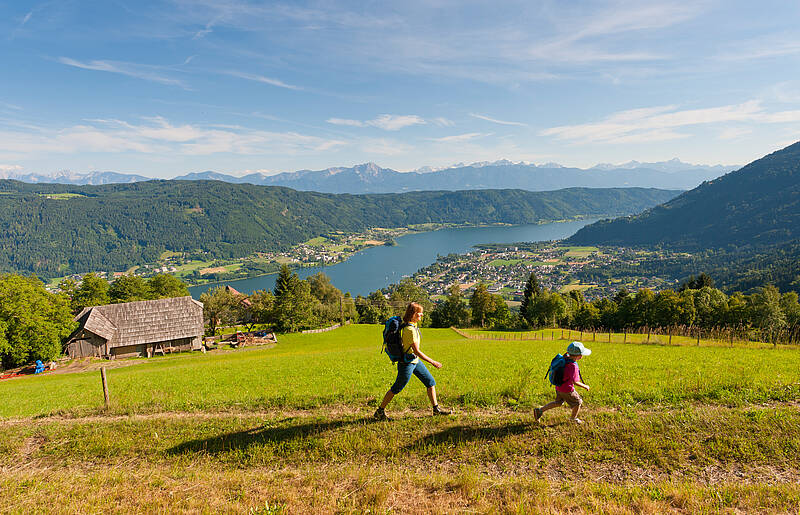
(105, 385)
(594, 336)
(625, 336)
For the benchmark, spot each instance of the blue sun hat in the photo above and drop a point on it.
(578, 349)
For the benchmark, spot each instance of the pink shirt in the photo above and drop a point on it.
(571, 374)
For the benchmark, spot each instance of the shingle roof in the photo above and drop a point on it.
(147, 321)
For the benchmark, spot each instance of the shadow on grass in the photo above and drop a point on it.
(241, 440)
(468, 434)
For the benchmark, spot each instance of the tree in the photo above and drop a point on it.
(407, 291)
(710, 306)
(349, 308)
(282, 282)
(324, 290)
(329, 305)
(667, 309)
(481, 304)
(607, 313)
(163, 286)
(452, 312)
(93, 291)
(262, 306)
(790, 308)
(33, 321)
(293, 304)
(767, 311)
(695, 283)
(587, 317)
(374, 309)
(67, 287)
(220, 308)
(532, 290)
(644, 308)
(128, 288)
(499, 316)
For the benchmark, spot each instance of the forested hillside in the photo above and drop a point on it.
(756, 205)
(53, 229)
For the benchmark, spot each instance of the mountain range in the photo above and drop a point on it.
(758, 204)
(503, 174)
(56, 229)
(742, 229)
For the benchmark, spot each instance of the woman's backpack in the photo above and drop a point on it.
(393, 340)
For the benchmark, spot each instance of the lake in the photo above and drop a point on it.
(377, 267)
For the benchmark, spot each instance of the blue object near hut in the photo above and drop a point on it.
(39, 367)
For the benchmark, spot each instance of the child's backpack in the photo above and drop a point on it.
(392, 339)
(556, 371)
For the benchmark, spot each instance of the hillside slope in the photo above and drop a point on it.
(754, 206)
(52, 229)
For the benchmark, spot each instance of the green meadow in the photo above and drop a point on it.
(669, 428)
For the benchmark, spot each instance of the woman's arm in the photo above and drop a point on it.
(421, 355)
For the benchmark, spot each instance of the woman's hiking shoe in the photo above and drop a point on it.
(537, 414)
(576, 421)
(439, 411)
(380, 414)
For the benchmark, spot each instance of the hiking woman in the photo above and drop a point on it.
(411, 341)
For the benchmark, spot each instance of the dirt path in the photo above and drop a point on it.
(355, 412)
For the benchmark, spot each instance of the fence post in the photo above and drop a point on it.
(105, 385)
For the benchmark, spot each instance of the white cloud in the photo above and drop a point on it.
(139, 71)
(773, 45)
(390, 122)
(10, 168)
(344, 121)
(158, 136)
(443, 122)
(384, 147)
(459, 137)
(264, 80)
(659, 123)
(386, 122)
(493, 120)
(734, 133)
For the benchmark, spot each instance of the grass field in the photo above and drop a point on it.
(580, 252)
(675, 428)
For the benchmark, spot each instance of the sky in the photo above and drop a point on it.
(165, 88)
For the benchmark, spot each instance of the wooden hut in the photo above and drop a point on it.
(139, 328)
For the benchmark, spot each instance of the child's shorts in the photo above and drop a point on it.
(571, 398)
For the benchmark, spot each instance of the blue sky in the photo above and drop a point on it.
(169, 87)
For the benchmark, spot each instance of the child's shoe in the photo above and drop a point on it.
(439, 411)
(380, 414)
(537, 414)
(576, 421)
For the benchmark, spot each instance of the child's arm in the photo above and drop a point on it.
(582, 385)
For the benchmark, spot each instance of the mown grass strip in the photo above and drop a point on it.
(687, 440)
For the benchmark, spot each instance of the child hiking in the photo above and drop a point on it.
(410, 363)
(565, 374)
